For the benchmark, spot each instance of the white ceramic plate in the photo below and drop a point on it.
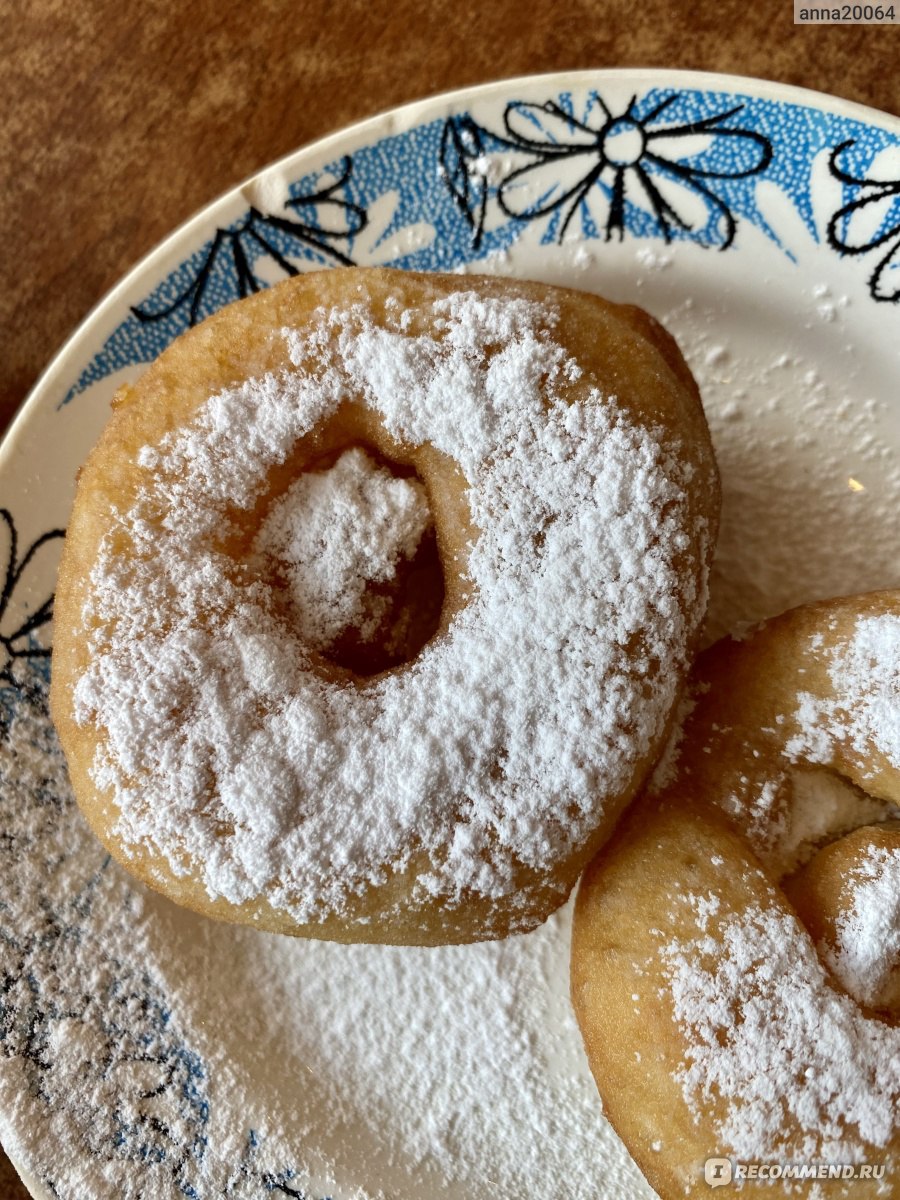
(145, 1052)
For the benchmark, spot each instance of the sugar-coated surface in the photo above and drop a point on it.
(547, 687)
(786, 815)
(822, 807)
(789, 1064)
(866, 958)
(148, 1053)
(865, 675)
(332, 534)
(771, 1037)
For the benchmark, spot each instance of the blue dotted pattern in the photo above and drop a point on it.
(409, 164)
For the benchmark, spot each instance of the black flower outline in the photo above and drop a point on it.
(462, 150)
(125, 1011)
(878, 191)
(252, 233)
(20, 643)
(633, 157)
(249, 1170)
(158, 1108)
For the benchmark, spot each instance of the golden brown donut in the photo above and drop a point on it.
(718, 1025)
(222, 743)
(848, 897)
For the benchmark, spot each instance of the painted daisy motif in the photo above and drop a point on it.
(313, 226)
(634, 168)
(870, 222)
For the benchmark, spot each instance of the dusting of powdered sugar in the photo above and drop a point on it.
(786, 810)
(104, 1086)
(483, 753)
(790, 1066)
(806, 448)
(758, 811)
(865, 706)
(666, 770)
(146, 1052)
(333, 533)
(792, 531)
(866, 954)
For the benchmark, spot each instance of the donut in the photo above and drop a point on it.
(376, 600)
(736, 944)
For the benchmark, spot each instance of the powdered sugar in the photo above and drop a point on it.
(788, 815)
(782, 802)
(758, 812)
(335, 532)
(866, 957)
(803, 437)
(798, 1071)
(778, 1059)
(580, 516)
(865, 706)
(146, 1052)
(90, 1056)
(792, 532)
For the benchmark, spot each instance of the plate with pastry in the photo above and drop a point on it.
(359, 546)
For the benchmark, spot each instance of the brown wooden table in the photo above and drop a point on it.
(120, 121)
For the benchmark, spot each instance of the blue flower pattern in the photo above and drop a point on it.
(20, 625)
(618, 155)
(324, 220)
(587, 168)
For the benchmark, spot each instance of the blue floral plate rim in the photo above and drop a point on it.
(396, 120)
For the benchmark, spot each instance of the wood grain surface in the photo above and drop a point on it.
(119, 121)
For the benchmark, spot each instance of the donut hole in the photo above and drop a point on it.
(406, 613)
(349, 549)
(847, 898)
(818, 806)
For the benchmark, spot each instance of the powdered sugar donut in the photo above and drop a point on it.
(740, 934)
(258, 503)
